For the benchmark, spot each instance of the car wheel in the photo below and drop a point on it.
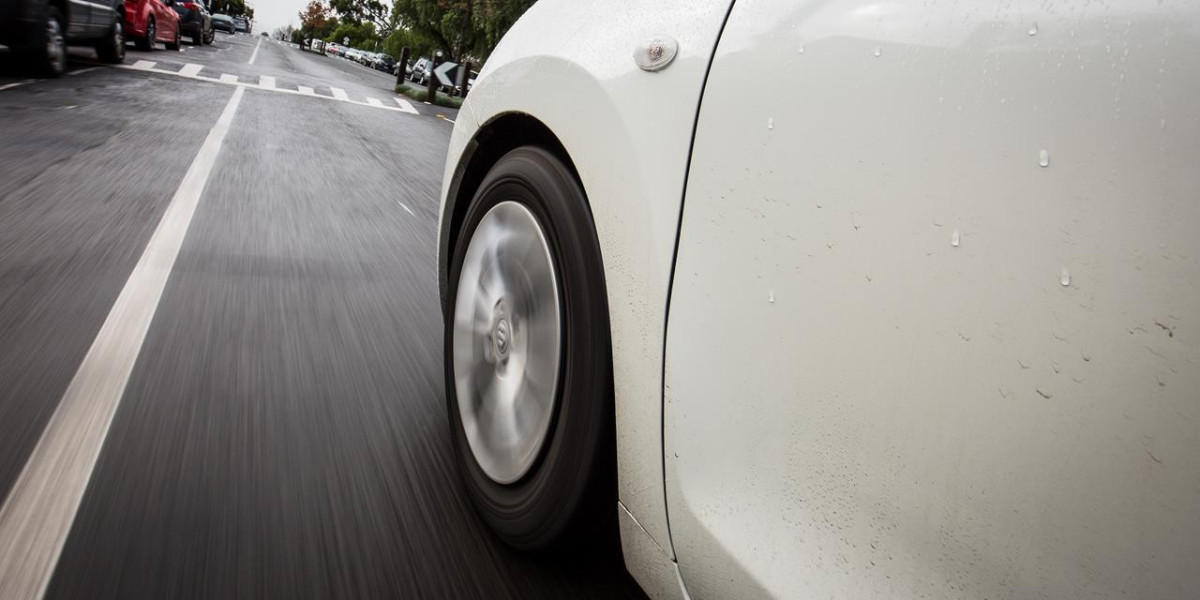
(177, 42)
(112, 48)
(147, 43)
(528, 359)
(51, 54)
(198, 37)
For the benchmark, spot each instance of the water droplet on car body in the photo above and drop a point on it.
(955, 238)
(1044, 158)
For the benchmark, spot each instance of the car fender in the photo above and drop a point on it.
(627, 132)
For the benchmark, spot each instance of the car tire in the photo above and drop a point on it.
(198, 37)
(146, 44)
(533, 492)
(50, 56)
(112, 49)
(178, 40)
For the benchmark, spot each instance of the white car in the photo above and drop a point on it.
(864, 299)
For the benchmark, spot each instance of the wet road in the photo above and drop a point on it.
(282, 433)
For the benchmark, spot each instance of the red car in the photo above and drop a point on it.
(151, 21)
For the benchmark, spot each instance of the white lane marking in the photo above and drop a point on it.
(374, 102)
(37, 516)
(307, 91)
(254, 55)
(143, 65)
(443, 117)
(338, 93)
(190, 70)
(406, 106)
(266, 82)
(9, 86)
(406, 208)
(82, 71)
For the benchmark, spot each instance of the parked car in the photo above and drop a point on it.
(38, 32)
(384, 62)
(315, 45)
(420, 71)
(880, 300)
(148, 22)
(195, 21)
(470, 83)
(241, 25)
(223, 23)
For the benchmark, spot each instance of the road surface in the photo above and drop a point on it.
(282, 432)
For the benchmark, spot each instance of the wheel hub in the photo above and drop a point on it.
(506, 341)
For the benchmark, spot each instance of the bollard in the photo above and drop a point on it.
(400, 66)
(464, 77)
(433, 84)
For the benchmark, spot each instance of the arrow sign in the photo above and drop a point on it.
(443, 73)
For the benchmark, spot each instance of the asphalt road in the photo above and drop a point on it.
(283, 430)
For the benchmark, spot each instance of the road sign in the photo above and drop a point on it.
(445, 73)
(346, 41)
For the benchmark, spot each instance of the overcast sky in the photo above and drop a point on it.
(271, 14)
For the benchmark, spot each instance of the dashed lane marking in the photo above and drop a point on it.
(267, 83)
(82, 71)
(190, 70)
(9, 86)
(37, 515)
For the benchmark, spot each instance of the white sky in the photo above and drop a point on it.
(271, 14)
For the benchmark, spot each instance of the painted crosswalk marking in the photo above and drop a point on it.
(406, 106)
(266, 83)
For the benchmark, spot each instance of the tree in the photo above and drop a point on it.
(461, 28)
(374, 12)
(362, 35)
(315, 20)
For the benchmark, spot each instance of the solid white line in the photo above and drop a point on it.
(266, 81)
(190, 70)
(144, 65)
(374, 102)
(406, 209)
(406, 106)
(10, 86)
(303, 89)
(41, 507)
(254, 54)
(82, 71)
(227, 78)
(339, 93)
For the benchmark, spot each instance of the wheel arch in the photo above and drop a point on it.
(500, 135)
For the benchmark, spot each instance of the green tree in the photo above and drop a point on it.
(362, 35)
(315, 20)
(376, 12)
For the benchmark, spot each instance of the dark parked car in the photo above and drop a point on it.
(384, 62)
(222, 22)
(39, 31)
(241, 25)
(195, 21)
